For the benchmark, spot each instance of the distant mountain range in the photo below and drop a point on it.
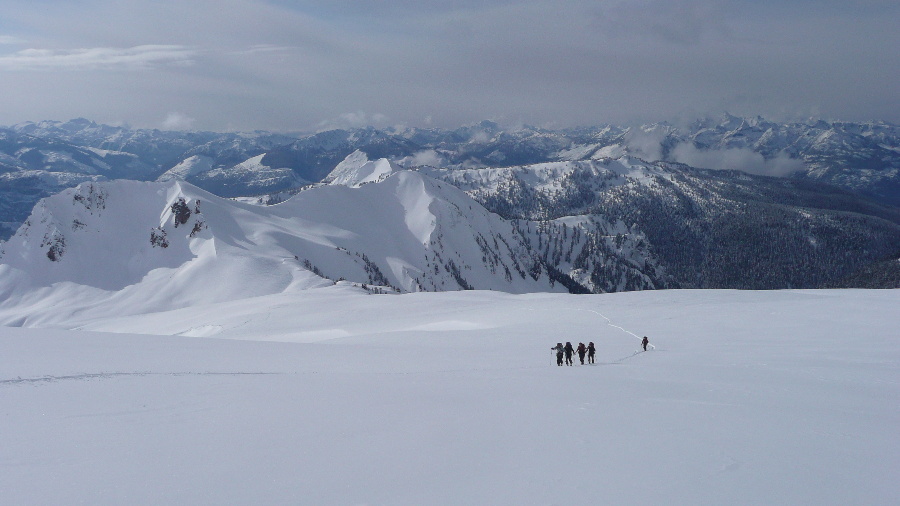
(656, 206)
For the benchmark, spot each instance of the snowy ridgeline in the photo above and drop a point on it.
(330, 396)
(580, 226)
(127, 247)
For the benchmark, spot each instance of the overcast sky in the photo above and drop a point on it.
(312, 64)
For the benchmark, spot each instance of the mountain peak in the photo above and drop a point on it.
(356, 170)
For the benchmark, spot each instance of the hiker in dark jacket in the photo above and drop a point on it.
(645, 342)
(559, 353)
(591, 351)
(569, 350)
(581, 351)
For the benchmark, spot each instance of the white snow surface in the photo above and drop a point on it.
(332, 396)
(190, 166)
(550, 176)
(356, 170)
(612, 151)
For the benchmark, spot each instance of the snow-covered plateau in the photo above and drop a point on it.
(334, 396)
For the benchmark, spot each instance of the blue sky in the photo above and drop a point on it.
(311, 64)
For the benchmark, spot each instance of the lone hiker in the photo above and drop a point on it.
(645, 342)
(569, 350)
(559, 353)
(581, 351)
(591, 351)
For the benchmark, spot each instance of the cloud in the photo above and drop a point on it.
(107, 58)
(273, 64)
(427, 157)
(649, 143)
(356, 119)
(480, 137)
(646, 143)
(177, 121)
(741, 159)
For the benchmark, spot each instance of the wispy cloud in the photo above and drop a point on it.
(177, 121)
(743, 159)
(106, 58)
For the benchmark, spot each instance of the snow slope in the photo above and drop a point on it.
(779, 397)
(129, 247)
(190, 166)
(356, 170)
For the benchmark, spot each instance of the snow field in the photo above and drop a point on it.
(332, 397)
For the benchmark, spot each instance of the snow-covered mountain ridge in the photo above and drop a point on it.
(603, 176)
(707, 228)
(134, 247)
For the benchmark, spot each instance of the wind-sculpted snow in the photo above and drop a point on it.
(417, 203)
(357, 170)
(190, 166)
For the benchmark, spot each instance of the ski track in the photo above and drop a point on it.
(109, 375)
(611, 324)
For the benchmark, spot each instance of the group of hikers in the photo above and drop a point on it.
(567, 351)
